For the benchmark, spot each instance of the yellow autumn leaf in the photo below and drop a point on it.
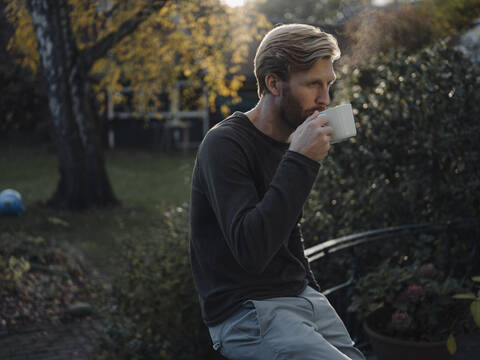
(451, 344)
(224, 109)
(469, 296)
(57, 221)
(475, 309)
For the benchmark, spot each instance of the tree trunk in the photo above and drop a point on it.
(83, 179)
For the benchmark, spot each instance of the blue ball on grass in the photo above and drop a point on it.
(11, 202)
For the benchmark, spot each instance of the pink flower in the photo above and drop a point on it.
(428, 270)
(401, 321)
(414, 293)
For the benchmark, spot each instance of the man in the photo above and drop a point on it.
(253, 173)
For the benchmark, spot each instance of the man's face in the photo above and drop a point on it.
(306, 91)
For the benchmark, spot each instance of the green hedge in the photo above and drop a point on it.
(416, 156)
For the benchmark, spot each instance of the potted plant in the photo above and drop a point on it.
(409, 311)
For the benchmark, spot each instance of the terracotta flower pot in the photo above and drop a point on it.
(388, 348)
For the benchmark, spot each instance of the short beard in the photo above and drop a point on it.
(287, 118)
(291, 112)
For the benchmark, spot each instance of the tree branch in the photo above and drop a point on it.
(99, 49)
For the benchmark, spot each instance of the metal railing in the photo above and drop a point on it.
(354, 241)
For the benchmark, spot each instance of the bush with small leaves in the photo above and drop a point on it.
(153, 310)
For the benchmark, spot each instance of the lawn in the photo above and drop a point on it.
(146, 183)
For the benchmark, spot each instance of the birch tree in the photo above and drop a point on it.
(83, 49)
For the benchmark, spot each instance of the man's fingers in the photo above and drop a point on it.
(312, 117)
(326, 130)
(322, 120)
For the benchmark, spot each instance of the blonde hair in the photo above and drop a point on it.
(291, 48)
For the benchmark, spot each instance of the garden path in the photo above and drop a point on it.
(70, 341)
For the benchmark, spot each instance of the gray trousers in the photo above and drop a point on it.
(304, 327)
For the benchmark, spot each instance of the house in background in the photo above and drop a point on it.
(170, 127)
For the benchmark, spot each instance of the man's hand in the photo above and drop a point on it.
(312, 138)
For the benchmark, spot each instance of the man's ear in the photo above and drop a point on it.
(273, 83)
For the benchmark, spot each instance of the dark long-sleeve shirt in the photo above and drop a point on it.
(248, 192)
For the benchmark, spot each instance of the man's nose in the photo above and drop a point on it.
(323, 96)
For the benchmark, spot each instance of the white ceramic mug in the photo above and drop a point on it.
(341, 121)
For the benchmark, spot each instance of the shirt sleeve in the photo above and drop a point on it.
(298, 249)
(254, 228)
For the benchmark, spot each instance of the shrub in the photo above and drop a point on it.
(409, 27)
(451, 17)
(416, 156)
(153, 310)
(416, 302)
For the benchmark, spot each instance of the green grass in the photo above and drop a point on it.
(146, 183)
(150, 180)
